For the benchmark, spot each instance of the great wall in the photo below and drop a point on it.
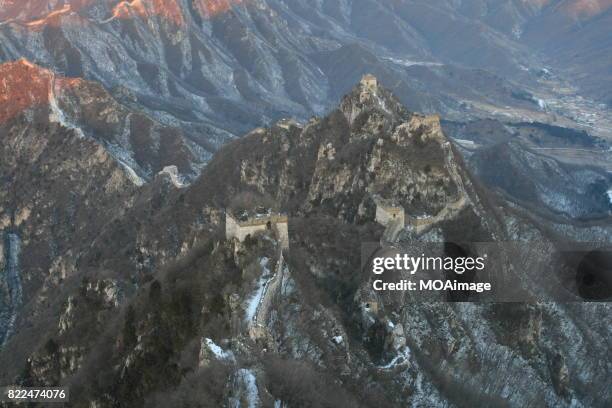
(241, 229)
(389, 214)
(394, 218)
(257, 326)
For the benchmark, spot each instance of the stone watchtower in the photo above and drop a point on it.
(242, 228)
(369, 86)
(369, 81)
(387, 213)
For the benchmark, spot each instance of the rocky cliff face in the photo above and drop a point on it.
(142, 145)
(61, 183)
(153, 306)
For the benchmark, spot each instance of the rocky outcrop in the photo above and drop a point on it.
(63, 184)
(140, 144)
(41, 11)
(335, 164)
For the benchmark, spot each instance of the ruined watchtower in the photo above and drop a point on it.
(240, 227)
(368, 300)
(369, 81)
(387, 213)
(369, 86)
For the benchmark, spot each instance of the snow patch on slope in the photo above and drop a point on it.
(246, 385)
(218, 352)
(403, 357)
(410, 63)
(255, 299)
(127, 162)
(57, 115)
(173, 175)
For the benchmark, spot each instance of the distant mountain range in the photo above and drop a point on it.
(167, 83)
(218, 68)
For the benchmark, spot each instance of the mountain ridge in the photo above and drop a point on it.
(35, 13)
(142, 145)
(152, 304)
(257, 62)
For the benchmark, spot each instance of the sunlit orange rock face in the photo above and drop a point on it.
(30, 10)
(210, 8)
(171, 9)
(577, 8)
(46, 12)
(24, 85)
(538, 3)
(167, 9)
(587, 8)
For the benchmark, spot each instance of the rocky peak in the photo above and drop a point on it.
(40, 13)
(26, 86)
(369, 96)
(23, 85)
(581, 9)
(210, 8)
(168, 10)
(142, 145)
(370, 145)
(578, 9)
(171, 175)
(26, 10)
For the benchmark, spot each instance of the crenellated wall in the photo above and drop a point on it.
(241, 229)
